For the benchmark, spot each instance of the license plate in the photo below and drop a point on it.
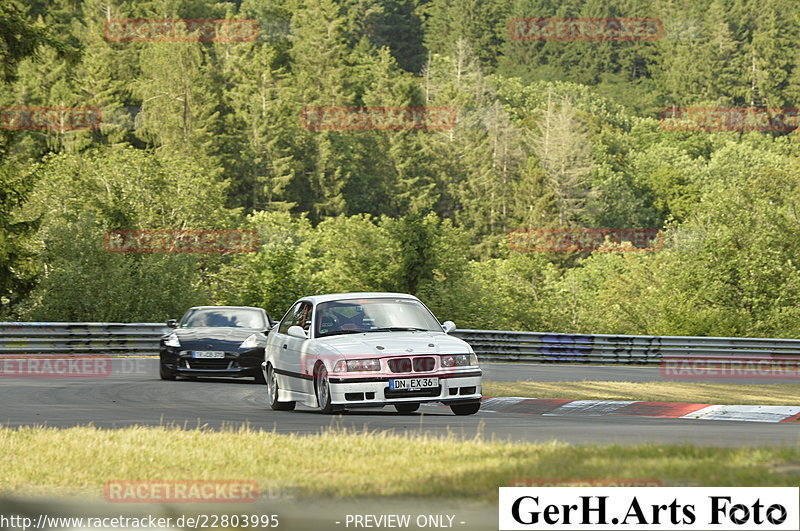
(205, 354)
(413, 383)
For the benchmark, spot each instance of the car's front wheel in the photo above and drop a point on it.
(470, 408)
(406, 408)
(272, 392)
(165, 373)
(323, 389)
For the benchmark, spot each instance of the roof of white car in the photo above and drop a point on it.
(364, 295)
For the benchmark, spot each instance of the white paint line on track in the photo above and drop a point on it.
(499, 401)
(746, 413)
(597, 408)
(589, 407)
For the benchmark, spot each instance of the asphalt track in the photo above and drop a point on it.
(134, 395)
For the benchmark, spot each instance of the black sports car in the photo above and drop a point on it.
(216, 341)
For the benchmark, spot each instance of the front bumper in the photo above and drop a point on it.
(366, 391)
(235, 364)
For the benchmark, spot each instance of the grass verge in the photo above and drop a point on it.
(79, 461)
(697, 392)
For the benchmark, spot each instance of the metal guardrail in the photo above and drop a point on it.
(119, 339)
(606, 348)
(123, 339)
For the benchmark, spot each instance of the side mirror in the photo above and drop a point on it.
(172, 323)
(448, 326)
(296, 331)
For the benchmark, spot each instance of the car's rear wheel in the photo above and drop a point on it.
(323, 389)
(165, 373)
(272, 392)
(406, 408)
(469, 408)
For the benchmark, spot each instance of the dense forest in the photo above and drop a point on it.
(209, 134)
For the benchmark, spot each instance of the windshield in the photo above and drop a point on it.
(373, 315)
(223, 317)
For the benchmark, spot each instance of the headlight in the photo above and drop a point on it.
(459, 360)
(172, 340)
(250, 342)
(357, 365)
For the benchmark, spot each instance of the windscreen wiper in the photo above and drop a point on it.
(339, 332)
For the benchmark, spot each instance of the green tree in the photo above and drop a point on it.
(120, 188)
(564, 151)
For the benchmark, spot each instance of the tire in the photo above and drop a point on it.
(470, 408)
(166, 374)
(323, 390)
(259, 377)
(272, 392)
(406, 408)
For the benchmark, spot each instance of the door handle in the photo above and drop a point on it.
(285, 345)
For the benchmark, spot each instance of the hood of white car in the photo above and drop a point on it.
(396, 343)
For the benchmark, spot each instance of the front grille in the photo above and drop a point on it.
(208, 364)
(418, 364)
(400, 365)
(429, 392)
(424, 364)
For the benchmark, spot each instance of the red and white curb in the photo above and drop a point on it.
(681, 410)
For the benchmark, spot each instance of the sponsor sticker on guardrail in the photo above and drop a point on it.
(23, 118)
(377, 118)
(731, 119)
(585, 29)
(572, 240)
(51, 367)
(180, 241)
(638, 509)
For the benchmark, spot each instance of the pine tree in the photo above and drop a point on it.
(178, 105)
(772, 52)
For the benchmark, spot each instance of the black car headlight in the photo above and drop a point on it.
(250, 342)
(172, 341)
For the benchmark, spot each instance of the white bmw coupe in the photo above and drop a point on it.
(348, 350)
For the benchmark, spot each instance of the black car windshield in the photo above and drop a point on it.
(223, 317)
(373, 315)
